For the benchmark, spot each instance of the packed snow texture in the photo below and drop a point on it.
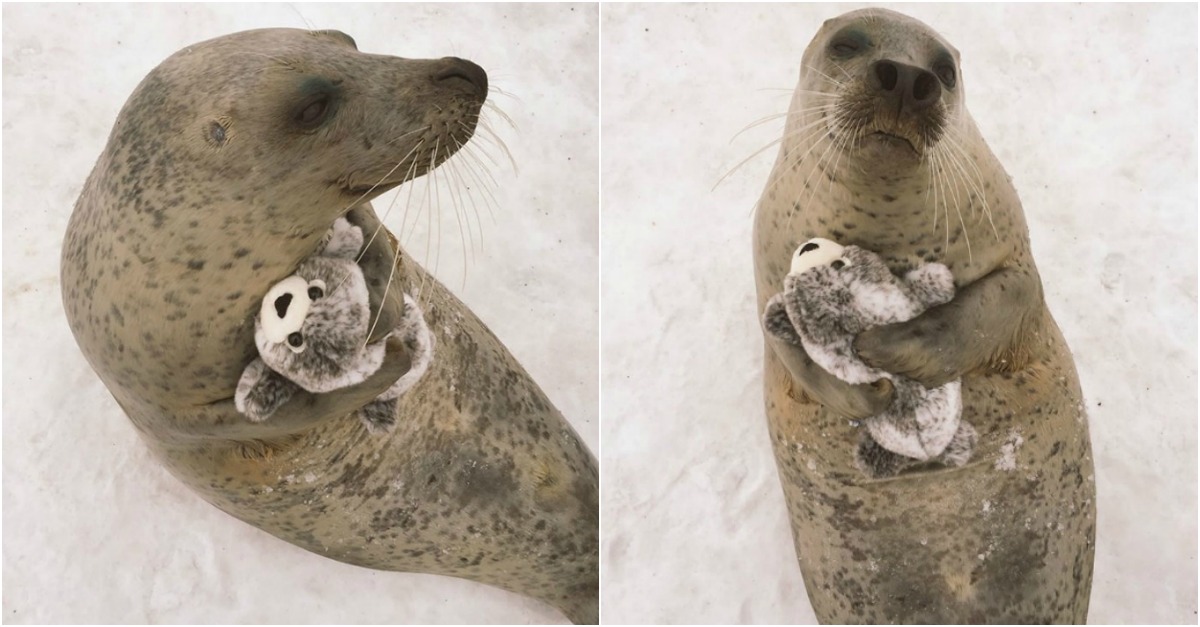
(95, 530)
(1091, 109)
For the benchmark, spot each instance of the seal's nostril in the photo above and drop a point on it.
(924, 87)
(887, 73)
(455, 69)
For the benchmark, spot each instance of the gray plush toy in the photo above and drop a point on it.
(311, 333)
(832, 294)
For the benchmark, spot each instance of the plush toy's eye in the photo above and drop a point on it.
(808, 248)
(295, 342)
(316, 289)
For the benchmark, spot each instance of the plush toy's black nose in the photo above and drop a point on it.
(281, 305)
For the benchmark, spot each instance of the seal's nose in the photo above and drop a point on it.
(905, 86)
(456, 71)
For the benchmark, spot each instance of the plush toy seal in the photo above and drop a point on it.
(312, 333)
(832, 294)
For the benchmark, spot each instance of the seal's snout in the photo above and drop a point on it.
(463, 73)
(906, 87)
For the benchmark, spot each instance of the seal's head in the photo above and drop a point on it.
(887, 86)
(225, 168)
(250, 113)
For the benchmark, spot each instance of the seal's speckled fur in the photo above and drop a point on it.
(829, 305)
(211, 190)
(921, 547)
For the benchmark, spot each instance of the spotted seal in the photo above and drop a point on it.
(879, 151)
(223, 171)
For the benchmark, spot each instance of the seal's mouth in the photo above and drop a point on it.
(362, 190)
(893, 140)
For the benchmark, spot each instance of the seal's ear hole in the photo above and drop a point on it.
(295, 342)
(316, 289)
(838, 264)
(281, 305)
(809, 247)
(216, 132)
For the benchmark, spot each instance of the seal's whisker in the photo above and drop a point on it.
(977, 182)
(958, 190)
(507, 94)
(810, 135)
(389, 173)
(831, 79)
(459, 210)
(818, 137)
(816, 166)
(494, 108)
(781, 140)
(458, 163)
(491, 137)
(367, 245)
(776, 116)
(407, 176)
(487, 177)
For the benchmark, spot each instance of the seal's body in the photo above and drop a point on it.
(224, 170)
(880, 152)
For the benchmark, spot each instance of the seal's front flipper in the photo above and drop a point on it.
(301, 412)
(377, 260)
(945, 342)
(854, 401)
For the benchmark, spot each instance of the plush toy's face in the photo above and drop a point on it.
(285, 308)
(313, 325)
(818, 252)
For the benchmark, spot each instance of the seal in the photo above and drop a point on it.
(880, 152)
(224, 170)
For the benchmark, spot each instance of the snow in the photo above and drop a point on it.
(1091, 109)
(95, 530)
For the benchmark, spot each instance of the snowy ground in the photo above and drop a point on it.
(1092, 109)
(94, 529)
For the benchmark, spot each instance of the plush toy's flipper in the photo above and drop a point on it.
(958, 452)
(379, 416)
(343, 240)
(261, 391)
(930, 285)
(776, 321)
(877, 462)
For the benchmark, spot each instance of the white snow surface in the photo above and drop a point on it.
(1091, 109)
(95, 530)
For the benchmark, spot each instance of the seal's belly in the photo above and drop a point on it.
(1006, 538)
